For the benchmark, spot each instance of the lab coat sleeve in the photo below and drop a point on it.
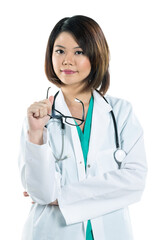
(37, 168)
(113, 190)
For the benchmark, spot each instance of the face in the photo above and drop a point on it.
(70, 64)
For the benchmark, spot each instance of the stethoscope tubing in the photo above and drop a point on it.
(119, 154)
(114, 123)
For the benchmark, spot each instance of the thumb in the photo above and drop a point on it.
(51, 98)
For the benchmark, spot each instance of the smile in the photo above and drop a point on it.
(67, 71)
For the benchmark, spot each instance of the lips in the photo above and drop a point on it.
(68, 71)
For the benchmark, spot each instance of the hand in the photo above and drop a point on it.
(37, 114)
(26, 195)
(55, 203)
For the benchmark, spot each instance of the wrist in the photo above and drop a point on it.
(36, 137)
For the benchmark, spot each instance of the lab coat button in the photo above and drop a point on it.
(80, 162)
(89, 165)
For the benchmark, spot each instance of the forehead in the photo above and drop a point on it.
(66, 39)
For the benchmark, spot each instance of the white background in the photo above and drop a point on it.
(132, 32)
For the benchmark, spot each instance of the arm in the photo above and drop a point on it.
(37, 168)
(99, 195)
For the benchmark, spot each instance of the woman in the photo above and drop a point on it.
(69, 163)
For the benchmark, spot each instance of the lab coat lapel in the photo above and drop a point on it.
(61, 105)
(101, 118)
(63, 108)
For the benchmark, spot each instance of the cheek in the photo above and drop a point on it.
(85, 64)
(55, 64)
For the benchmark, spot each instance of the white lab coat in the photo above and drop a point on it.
(102, 193)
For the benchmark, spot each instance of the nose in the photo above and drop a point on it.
(68, 59)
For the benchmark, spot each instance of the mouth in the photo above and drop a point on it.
(68, 71)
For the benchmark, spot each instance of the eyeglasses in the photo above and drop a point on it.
(68, 119)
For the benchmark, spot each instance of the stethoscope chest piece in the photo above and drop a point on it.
(119, 155)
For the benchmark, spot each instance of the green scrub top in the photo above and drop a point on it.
(84, 139)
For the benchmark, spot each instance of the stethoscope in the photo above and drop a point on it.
(119, 154)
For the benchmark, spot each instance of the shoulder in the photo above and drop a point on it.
(121, 107)
(118, 104)
(124, 112)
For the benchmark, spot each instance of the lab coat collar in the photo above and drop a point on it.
(100, 116)
(101, 103)
(61, 105)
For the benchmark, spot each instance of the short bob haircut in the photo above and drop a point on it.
(89, 36)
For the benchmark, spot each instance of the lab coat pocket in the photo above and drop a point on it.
(105, 161)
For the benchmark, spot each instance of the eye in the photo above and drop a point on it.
(59, 51)
(79, 52)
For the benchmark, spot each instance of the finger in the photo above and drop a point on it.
(33, 111)
(51, 98)
(43, 112)
(38, 111)
(49, 103)
(55, 203)
(40, 106)
(25, 194)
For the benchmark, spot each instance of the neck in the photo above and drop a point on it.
(70, 94)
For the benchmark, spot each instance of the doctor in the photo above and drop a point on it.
(82, 158)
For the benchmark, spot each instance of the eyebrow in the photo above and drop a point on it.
(64, 47)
